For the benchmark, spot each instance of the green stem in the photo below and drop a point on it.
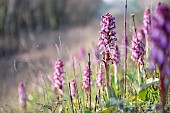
(139, 73)
(147, 48)
(107, 81)
(115, 75)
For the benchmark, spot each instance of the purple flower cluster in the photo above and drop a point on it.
(58, 77)
(22, 95)
(160, 39)
(73, 88)
(107, 35)
(147, 22)
(100, 78)
(86, 76)
(115, 55)
(138, 47)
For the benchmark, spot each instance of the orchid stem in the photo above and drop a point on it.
(115, 75)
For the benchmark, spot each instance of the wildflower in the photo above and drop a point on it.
(100, 78)
(58, 77)
(160, 38)
(147, 22)
(107, 42)
(147, 29)
(138, 48)
(107, 35)
(22, 95)
(86, 76)
(160, 48)
(73, 88)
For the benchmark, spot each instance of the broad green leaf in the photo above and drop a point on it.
(142, 94)
(106, 111)
(87, 111)
(149, 82)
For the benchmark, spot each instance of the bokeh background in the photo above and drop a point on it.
(32, 32)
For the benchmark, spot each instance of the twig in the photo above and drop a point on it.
(71, 99)
(89, 63)
(134, 24)
(95, 104)
(125, 42)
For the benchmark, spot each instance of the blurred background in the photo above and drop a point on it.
(32, 32)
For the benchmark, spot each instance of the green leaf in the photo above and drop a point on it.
(131, 98)
(142, 94)
(87, 111)
(112, 92)
(115, 86)
(105, 95)
(130, 77)
(112, 102)
(152, 81)
(106, 111)
(109, 110)
(149, 82)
